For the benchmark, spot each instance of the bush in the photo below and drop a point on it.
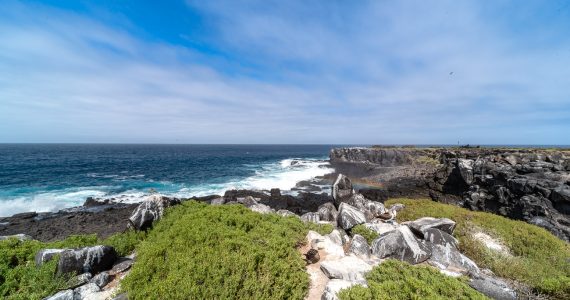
(394, 280)
(368, 234)
(538, 259)
(198, 251)
(21, 279)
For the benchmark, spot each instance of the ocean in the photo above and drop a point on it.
(50, 177)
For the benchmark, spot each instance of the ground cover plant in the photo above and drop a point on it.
(199, 251)
(537, 258)
(396, 280)
(21, 279)
(369, 234)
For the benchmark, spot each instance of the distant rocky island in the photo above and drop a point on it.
(376, 210)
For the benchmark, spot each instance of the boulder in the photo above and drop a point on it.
(86, 291)
(336, 237)
(79, 280)
(218, 201)
(341, 189)
(438, 237)
(319, 242)
(247, 201)
(346, 268)
(286, 213)
(89, 259)
(310, 217)
(422, 224)
(101, 279)
(401, 244)
(334, 286)
(261, 208)
(62, 295)
(349, 216)
(493, 288)
(150, 210)
(121, 266)
(561, 194)
(359, 247)
(46, 255)
(380, 227)
(327, 212)
(465, 167)
(450, 259)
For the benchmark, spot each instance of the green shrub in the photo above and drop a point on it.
(21, 279)
(538, 259)
(198, 251)
(368, 234)
(394, 280)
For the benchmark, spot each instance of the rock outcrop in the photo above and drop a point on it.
(89, 259)
(150, 210)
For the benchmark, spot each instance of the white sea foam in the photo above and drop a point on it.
(282, 174)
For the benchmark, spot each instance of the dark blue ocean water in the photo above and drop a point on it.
(48, 177)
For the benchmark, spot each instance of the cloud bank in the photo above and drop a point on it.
(392, 72)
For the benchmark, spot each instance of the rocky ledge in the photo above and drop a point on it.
(524, 184)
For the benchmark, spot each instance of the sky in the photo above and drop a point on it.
(301, 72)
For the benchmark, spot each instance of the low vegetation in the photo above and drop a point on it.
(21, 279)
(368, 234)
(395, 280)
(200, 251)
(537, 258)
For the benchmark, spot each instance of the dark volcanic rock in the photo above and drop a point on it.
(327, 212)
(89, 259)
(401, 244)
(150, 210)
(349, 216)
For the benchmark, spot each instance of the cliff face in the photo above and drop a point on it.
(526, 184)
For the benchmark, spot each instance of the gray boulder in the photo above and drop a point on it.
(419, 226)
(450, 259)
(150, 210)
(401, 244)
(493, 288)
(89, 259)
(247, 201)
(327, 212)
(46, 255)
(359, 247)
(341, 189)
(62, 295)
(349, 216)
(310, 217)
(85, 291)
(80, 280)
(121, 265)
(465, 167)
(261, 208)
(438, 237)
(336, 237)
(347, 268)
(218, 201)
(101, 279)
(380, 227)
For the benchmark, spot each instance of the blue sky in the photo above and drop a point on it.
(342, 72)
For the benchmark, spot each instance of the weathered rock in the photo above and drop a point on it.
(450, 259)
(91, 202)
(466, 169)
(247, 201)
(286, 213)
(438, 237)
(25, 215)
(121, 265)
(261, 208)
(101, 279)
(79, 280)
(396, 207)
(493, 288)
(334, 286)
(46, 255)
(347, 268)
(150, 210)
(312, 256)
(341, 189)
(349, 216)
(89, 259)
(401, 244)
(336, 237)
(62, 295)
(85, 291)
(21, 237)
(319, 242)
(327, 212)
(359, 247)
(310, 217)
(218, 201)
(419, 226)
(380, 227)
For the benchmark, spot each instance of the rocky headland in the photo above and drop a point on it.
(524, 184)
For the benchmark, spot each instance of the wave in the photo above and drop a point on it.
(283, 174)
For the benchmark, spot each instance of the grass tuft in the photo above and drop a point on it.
(369, 234)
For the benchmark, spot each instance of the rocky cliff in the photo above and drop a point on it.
(526, 184)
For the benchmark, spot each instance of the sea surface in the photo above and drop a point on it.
(49, 177)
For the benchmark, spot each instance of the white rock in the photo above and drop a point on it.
(336, 237)
(348, 268)
(63, 295)
(85, 291)
(420, 225)
(380, 227)
(334, 286)
(349, 216)
(261, 208)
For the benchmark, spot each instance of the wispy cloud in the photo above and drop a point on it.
(293, 72)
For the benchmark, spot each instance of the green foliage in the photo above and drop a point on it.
(538, 259)
(21, 279)
(198, 251)
(368, 234)
(322, 229)
(394, 280)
